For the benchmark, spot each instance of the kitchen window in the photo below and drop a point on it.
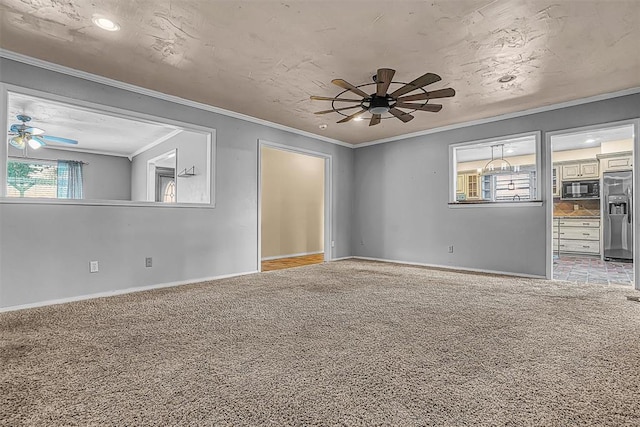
(496, 170)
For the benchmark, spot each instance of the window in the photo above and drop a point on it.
(502, 169)
(44, 179)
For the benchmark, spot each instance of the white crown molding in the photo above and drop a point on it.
(601, 97)
(85, 150)
(18, 57)
(154, 143)
(171, 98)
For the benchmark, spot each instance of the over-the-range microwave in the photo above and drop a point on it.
(588, 189)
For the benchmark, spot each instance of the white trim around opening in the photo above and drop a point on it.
(548, 193)
(328, 195)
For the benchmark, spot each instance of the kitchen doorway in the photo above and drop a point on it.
(294, 213)
(591, 220)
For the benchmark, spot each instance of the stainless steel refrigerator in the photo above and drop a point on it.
(617, 209)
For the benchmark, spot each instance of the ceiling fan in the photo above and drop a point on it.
(21, 134)
(380, 102)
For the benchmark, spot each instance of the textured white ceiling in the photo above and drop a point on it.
(265, 58)
(94, 131)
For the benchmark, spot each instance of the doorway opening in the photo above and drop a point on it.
(294, 207)
(591, 217)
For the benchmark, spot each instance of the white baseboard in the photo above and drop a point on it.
(452, 267)
(341, 259)
(120, 292)
(269, 258)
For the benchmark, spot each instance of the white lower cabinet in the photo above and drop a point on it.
(575, 235)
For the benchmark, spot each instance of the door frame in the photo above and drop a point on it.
(549, 192)
(328, 191)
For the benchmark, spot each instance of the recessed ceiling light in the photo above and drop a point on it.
(590, 140)
(105, 23)
(510, 150)
(323, 126)
(506, 78)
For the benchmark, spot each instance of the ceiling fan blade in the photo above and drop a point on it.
(434, 108)
(421, 81)
(375, 119)
(346, 85)
(440, 93)
(383, 80)
(353, 116)
(34, 131)
(405, 117)
(327, 98)
(57, 139)
(39, 142)
(337, 109)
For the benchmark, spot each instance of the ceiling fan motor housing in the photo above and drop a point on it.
(379, 104)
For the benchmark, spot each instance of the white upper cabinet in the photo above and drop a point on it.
(582, 170)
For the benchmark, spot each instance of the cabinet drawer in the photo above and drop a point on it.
(580, 233)
(584, 246)
(580, 223)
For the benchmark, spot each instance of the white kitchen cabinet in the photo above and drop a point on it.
(468, 186)
(616, 161)
(577, 235)
(581, 170)
(556, 182)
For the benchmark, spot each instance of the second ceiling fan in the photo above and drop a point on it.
(380, 102)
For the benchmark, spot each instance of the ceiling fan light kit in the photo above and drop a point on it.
(21, 135)
(382, 103)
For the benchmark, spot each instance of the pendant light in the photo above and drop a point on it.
(497, 165)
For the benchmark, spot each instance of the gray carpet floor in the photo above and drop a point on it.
(350, 343)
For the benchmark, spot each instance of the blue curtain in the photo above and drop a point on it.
(69, 179)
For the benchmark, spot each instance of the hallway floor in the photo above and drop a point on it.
(586, 269)
(282, 263)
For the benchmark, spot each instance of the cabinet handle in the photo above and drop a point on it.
(561, 233)
(584, 246)
(585, 223)
(586, 234)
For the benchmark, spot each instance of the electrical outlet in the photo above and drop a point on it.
(451, 249)
(148, 262)
(93, 266)
(576, 207)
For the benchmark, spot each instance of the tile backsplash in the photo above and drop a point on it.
(568, 207)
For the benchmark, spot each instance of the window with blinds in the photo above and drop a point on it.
(47, 179)
(520, 186)
(28, 178)
(507, 188)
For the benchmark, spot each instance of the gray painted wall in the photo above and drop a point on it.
(104, 177)
(192, 152)
(185, 243)
(401, 193)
